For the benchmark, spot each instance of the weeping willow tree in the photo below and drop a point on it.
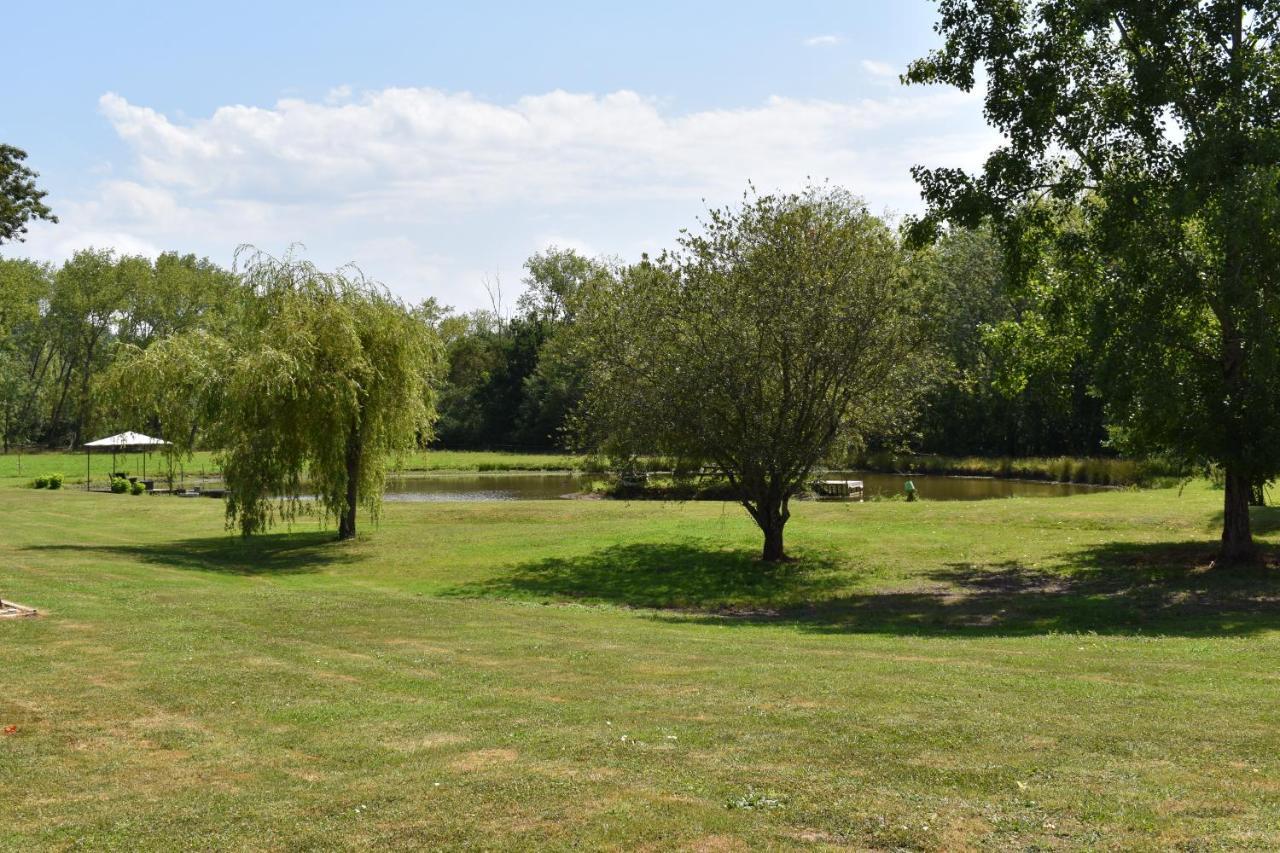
(328, 378)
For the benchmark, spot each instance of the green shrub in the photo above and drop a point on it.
(55, 481)
(119, 485)
(137, 487)
(41, 483)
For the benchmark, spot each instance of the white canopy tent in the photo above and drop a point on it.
(122, 443)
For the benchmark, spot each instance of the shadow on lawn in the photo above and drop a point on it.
(1117, 588)
(1121, 588)
(680, 575)
(269, 554)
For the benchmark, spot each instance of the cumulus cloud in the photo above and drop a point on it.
(423, 145)
(435, 185)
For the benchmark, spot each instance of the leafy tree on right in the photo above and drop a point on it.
(1138, 197)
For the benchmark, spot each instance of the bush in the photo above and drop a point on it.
(41, 483)
(55, 481)
(119, 485)
(137, 487)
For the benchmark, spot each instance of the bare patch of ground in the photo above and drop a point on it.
(483, 758)
(428, 741)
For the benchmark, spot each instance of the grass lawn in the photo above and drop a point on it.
(1027, 674)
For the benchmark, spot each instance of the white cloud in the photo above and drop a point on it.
(338, 94)
(879, 69)
(824, 41)
(400, 147)
(422, 187)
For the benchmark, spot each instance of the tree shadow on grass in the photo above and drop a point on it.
(680, 575)
(1117, 588)
(268, 554)
(1120, 588)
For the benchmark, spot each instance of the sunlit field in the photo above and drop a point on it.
(1026, 673)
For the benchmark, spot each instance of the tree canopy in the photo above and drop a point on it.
(775, 336)
(1137, 196)
(20, 199)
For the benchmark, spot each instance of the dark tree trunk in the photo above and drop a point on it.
(773, 549)
(772, 515)
(1237, 538)
(1258, 493)
(347, 523)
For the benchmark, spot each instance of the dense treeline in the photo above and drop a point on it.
(997, 398)
(60, 330)
(513, 381)
(514, 378)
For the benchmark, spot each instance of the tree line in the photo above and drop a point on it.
(512, 379)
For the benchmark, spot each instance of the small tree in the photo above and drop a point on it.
(328, 378)
(761, 346)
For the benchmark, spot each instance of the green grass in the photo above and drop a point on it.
(1020, 674)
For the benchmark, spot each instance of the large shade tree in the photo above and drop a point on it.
(1142, 158)
(762, 345)
(325, 379)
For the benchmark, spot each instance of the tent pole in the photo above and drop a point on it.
(86, 469)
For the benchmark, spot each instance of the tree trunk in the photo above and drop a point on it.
(1237, 538)
(1258, 493)
(347, 523)
(772, 517)
(773, 550)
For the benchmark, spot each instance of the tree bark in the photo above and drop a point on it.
(771, 516)
(347, 523)
(1237, 538)
(1258, 493)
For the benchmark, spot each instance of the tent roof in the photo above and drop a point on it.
(128, 439)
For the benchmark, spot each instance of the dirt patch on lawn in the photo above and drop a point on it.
(427, 741)
(484, 758)
(13, 610)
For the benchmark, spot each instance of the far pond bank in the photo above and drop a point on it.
(1061, 470)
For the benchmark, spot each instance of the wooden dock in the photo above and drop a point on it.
(839, 489)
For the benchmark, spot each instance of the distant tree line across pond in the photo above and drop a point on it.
(513, 377)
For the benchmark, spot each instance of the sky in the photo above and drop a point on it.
(438, 145)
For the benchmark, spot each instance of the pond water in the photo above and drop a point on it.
(483, 487)
(550, 486)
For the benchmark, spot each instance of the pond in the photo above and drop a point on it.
(551, 486)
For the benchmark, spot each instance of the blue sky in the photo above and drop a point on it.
(437, 145)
